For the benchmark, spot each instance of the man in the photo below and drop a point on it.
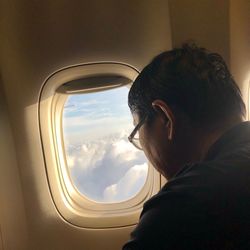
(189, 114)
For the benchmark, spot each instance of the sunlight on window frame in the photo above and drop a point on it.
(71, 205)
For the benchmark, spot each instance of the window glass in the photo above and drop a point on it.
(103, 165)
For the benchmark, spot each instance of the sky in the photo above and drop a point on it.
(104, 166)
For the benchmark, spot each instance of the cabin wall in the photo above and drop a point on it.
(205, 22)
(220, 26)
(13, 230)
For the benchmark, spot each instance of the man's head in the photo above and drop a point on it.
(187, 97)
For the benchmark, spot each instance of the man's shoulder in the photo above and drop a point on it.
(180, 196)
(200, 206)
(187, 184)
(204, 184)
(174, 214)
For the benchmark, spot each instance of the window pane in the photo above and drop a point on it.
(103, 165)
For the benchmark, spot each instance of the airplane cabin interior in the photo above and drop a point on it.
(69, 178)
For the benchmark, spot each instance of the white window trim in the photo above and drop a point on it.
(72, 205)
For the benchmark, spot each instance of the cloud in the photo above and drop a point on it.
(81, 121)
(123, 148)
(110, 170)
(77, 130)
(103, 165)
(128, 186)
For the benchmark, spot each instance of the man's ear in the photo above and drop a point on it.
(167, 115)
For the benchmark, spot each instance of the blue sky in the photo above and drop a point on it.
(86, 114)
(104, 166)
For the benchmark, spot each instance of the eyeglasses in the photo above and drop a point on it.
(134, 138)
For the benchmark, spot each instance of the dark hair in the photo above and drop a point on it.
(192, 80)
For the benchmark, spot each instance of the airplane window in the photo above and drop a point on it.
(103, 165)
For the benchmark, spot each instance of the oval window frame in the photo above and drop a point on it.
(73, 206)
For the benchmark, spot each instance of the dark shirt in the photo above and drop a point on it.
(206, 205)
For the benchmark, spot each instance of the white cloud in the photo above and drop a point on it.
(110, 170)
(78, 130)
(103, 164)
(81, 121)
(86, 156)
(129, 185)
(71, 161)
(123, 147)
